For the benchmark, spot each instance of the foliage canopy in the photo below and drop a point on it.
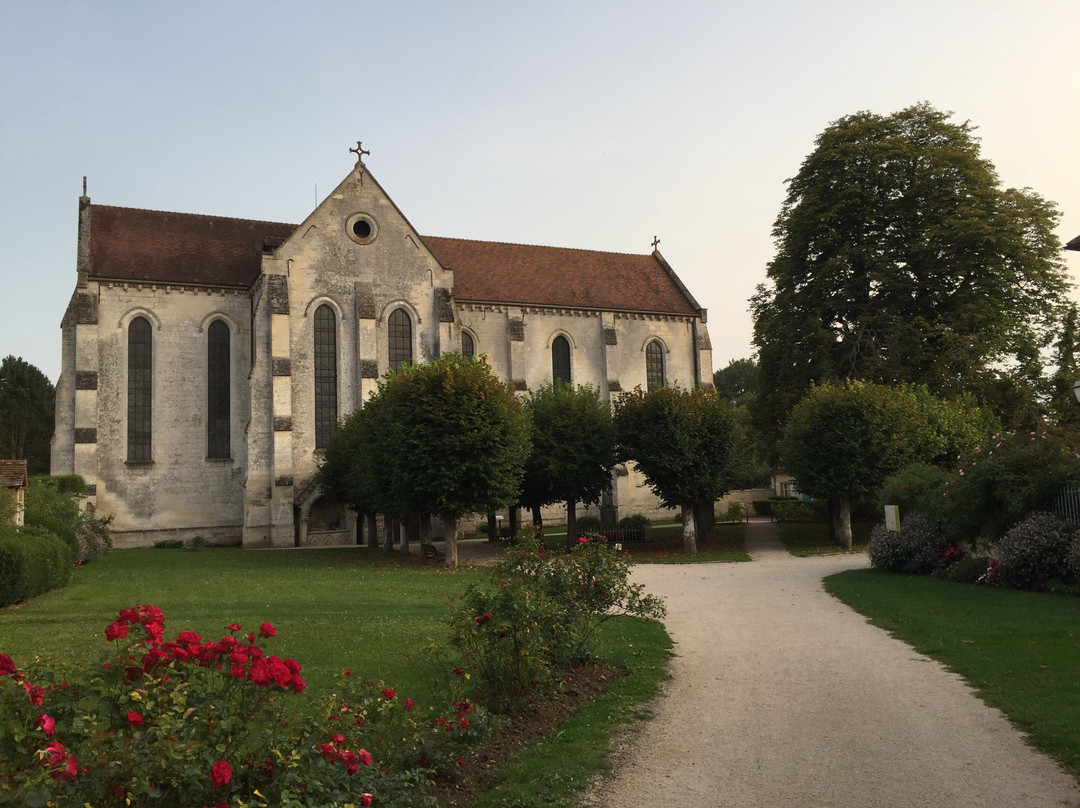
(900, 258)
(27, 402)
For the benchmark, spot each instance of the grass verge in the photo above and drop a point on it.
(552, 771)
(1019, 650)
(812, 538)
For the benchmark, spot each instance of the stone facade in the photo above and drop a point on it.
(312, 315)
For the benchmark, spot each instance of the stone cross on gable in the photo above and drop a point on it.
(359, 151)
(655, 241)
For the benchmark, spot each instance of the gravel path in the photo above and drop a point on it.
(782, 696)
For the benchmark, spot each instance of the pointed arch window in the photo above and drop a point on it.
(399, 337)
(560, 359)
(654, 365)
(468, 347)
(140, 390)
(326, 408)
(218, 393)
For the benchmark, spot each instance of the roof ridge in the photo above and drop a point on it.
(195, 215)
(539, 246)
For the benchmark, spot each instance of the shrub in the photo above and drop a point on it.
(7, 507)
(32, 561)
(736, 512)
(634, 521)
(792, 510)
(588, 524)
(1035, 554)
(47, 507)
(967, 570)
(537, 614)
(188, 721)
(918, 547)
(1003, 483)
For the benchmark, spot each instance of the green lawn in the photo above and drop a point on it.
(1019, 650)
(333, 608)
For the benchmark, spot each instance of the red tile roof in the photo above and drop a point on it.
(492, 272)
(130, 244)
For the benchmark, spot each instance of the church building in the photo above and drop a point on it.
(206, 360)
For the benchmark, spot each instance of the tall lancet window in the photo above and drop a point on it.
(218, 394)
(399, 337)
(326, 409)
(654, 365)
(140, 390)
(560, 359)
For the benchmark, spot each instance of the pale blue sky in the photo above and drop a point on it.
(578, 124)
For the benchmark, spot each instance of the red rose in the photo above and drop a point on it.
(233, 627)
(135, 719)
(390, 694)
(267, 630)
(364, 756)
(47, 724)
(408, 704)
(221, 773)
(188, 637)
(366, 799)
(6, 665)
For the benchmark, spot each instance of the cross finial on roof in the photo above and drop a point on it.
(655, 241)
(359, 151)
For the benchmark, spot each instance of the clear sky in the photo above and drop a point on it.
(580, 124)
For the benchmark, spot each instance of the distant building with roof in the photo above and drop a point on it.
(207, 359)
(13, 478)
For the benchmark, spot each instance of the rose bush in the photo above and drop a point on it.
(537, 615)
(195, 722)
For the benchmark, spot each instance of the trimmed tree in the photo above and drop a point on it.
(446, 437)
(573, 449)
(844, 439)
(682, 441)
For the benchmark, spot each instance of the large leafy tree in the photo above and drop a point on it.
(573, 449)
(683, 442)
(845, 438)
(446, 437)
(900, 258)
(27, 402)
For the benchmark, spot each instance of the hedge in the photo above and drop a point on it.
(32, 561)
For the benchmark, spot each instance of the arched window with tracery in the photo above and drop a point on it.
(399, 338)
(140, 386)
(654, 365)
(560, 359)
(468, 347)
(218, 394)
(326, 407)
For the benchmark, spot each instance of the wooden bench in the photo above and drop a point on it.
(432, 552)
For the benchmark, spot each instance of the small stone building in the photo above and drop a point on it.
(207, 359)
(13, 478)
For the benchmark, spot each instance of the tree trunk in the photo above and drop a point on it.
(538, 520)
(493, 526)
(689, 530)
(451, 523)
(389, 530)
(571, 524)
(515, 523)
(842, 522)
(372, 529)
